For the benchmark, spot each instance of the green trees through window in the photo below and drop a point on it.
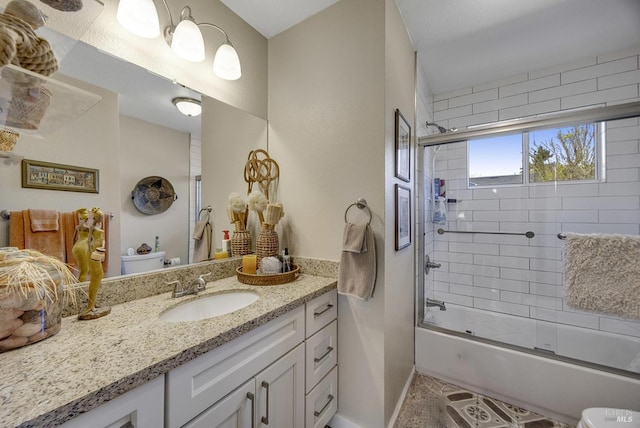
(569, 155)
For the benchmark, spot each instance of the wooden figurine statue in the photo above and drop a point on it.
(98, 251)
(80, 250)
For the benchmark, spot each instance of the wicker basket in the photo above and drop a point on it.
(273, 279)
(8, 140)
(28, 106)
(267, 244)
(240, 241)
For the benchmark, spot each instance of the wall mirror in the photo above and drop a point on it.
(133, 132)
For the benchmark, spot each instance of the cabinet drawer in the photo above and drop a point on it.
(321, 311)
(196, 385)
(321, 354)
(142, 407)
(322, 401)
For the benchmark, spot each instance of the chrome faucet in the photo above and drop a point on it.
(438, 303)
(194, 286)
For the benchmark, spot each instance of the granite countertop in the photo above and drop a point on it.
(90, 362)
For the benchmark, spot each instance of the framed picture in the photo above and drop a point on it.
(54, 176)
(403, 217)
(403, 147)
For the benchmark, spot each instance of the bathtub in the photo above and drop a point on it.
(555, 387)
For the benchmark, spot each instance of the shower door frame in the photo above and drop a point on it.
(582, 115)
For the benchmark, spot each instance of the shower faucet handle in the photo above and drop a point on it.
(428, 264)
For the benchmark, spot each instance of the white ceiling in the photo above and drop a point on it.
(466, 42)
(459, 43)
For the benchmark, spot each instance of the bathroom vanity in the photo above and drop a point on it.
(272, 363)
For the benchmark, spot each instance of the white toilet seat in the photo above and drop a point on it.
(606, 417)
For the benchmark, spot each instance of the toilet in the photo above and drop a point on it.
(606, 417)
(142, 262)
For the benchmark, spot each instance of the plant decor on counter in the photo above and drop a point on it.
(238, 212)
(33, 287)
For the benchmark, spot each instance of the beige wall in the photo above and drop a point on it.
(228, 135)
(248, 93)
(332, 96)
(399, 265)
(90, 141)
(151, 150)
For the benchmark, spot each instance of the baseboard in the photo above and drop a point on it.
(396, 411)
(338, 421)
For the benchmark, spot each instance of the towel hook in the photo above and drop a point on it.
(361, 203)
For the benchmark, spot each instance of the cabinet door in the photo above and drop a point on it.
(142, 407)
(236, 410)
(280, 392)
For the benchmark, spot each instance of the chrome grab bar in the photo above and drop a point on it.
(529, 234)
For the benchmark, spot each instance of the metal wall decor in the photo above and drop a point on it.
(153, 195)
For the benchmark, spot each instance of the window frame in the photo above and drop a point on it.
(600, 153)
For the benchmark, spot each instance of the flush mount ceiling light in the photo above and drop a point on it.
(188, 106)
(140, 17)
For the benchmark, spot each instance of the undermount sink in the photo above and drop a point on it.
(209, 306)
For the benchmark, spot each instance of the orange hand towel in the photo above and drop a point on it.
(50, 243)
(43, 220)
(16, 230)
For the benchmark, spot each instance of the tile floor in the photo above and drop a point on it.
(432, 403)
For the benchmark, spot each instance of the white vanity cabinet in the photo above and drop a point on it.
(280, 375)
(273, 398)
(142, 407)
(271, 356)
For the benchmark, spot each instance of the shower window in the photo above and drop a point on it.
(570, 153)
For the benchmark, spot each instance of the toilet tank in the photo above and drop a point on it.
(142, 262)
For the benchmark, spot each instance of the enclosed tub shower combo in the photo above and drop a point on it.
(531, 292)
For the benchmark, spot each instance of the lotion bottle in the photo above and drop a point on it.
(286, 261)
(226, 243)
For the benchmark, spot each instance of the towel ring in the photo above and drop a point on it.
(361, 203)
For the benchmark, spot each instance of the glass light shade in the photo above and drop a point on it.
(188, 106)
(226, 63)
(187, 41)
(139, 17)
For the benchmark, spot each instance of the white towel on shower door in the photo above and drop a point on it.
(357, 272)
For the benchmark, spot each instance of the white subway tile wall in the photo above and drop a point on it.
(513, 274)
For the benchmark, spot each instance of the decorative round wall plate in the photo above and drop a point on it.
(153, 195)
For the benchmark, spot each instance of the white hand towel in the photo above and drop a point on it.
(357, 272)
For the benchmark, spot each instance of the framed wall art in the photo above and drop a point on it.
(54, 176)
(403, 217)
(403, 147)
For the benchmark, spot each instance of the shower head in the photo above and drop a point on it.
(442, 129)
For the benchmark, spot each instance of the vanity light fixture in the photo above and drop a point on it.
(140, 17)
(188, 106)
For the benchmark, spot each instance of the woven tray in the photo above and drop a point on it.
(273, 279)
